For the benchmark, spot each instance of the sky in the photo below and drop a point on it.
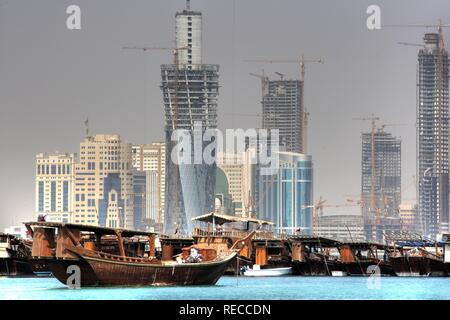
(52, 78)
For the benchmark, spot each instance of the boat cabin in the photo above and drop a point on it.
(221, 232)
(309, 247)
(50, 239)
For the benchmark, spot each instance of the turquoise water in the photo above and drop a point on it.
(229, 288)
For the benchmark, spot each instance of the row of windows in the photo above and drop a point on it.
(53, 169)
(53, 192)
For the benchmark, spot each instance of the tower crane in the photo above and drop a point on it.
(373, 120)
(281, 75)
(318, 210)
(264, 81)
(302, 62)
(173, 111)
(174, 50)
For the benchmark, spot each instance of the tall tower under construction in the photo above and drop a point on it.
(380, 182)
(190, 91)
(283, 110)
(432, 135)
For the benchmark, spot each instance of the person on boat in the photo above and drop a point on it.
(194, 257)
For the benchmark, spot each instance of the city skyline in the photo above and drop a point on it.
(74, 97)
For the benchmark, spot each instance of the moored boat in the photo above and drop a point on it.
(416, 256)
(256, 271)
(363, 258)
(314, 256)
(13, 257)
(118, 257)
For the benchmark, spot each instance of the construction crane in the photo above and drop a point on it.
(173, 111)
(318, 210)
(373, 120)
(383, 126)
(411, 44)
(281, 75)
(175, 51)
(302, 62)
(264, 81)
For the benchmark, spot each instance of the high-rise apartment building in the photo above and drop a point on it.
(283, 110)
(432, 135)
(190, 91)
(380, 181)
(104, 182)
(54, 186)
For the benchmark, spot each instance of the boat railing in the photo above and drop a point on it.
(263, 234)
(229, 233)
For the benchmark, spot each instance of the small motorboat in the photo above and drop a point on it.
(336, 273)
(256, 271)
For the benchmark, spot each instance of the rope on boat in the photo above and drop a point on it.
(324, 258)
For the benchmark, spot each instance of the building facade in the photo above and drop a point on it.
(409, 217)
(432, 135)
(190, 94)
(283, 110)
(139, 199)
(380, 180)
(54, 186)
(240, 170)
(286, 197)
(151, 159)
(104, 182)
(342, 227)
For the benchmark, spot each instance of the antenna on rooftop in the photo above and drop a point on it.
(188, 5)
(86, 125)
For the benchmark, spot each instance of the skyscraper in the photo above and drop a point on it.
(54, 186)
(104, 182)
(283, 110)
(286, 197)
(380, 182)
(432, 135)
(190, 91)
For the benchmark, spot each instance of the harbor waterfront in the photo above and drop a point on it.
(232, 288)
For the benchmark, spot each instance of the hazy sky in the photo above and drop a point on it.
(52, 78)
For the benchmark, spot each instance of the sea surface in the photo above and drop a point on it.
(233, 288)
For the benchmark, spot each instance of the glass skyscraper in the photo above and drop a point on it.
(286, 197)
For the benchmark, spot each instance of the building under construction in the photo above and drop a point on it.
(190, 91)
(283, 110)
(432, 135)
(380, 182)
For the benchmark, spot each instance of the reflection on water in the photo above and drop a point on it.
(232, 288)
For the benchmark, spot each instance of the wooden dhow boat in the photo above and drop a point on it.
(314, 256)
(415, 255)
(118, 257)
(14, 256)
(365, 258)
